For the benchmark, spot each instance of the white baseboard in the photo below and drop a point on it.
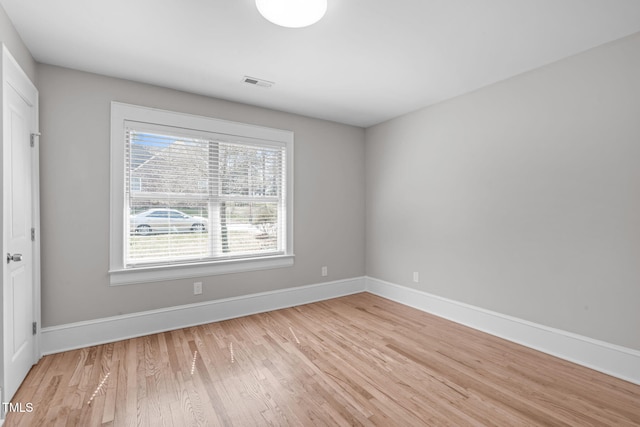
(84, 334)
(608, 358)
(614, 360)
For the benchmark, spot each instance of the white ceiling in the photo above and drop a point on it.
(367, 61)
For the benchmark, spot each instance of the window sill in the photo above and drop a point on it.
(128, 276)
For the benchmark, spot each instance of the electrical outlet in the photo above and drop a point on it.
(416, 277)
(197, 288)
(325, 272)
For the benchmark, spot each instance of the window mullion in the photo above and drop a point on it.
(167, 159)
(214, 203)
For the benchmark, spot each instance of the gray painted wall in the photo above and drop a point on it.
(522, 197)
(75, 120)
(10, 37)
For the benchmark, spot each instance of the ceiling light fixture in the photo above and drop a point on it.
(292, 13)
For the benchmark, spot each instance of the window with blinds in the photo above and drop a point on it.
(195, 196)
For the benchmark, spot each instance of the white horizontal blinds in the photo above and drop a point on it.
(190, 199)
(167, 167)
(167, 198)
(250, 171)
(251, 195)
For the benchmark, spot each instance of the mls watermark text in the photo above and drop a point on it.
(17, 407)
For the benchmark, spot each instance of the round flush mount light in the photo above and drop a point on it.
(292, 13)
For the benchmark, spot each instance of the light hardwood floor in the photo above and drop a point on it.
(356, 360)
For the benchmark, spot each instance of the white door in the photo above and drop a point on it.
(18, 218)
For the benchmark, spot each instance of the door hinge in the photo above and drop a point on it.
(33, 138)
(33, 234)
(34, 328)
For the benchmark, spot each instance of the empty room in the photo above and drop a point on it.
(320, 212)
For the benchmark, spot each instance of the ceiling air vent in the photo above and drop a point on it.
(257, 82)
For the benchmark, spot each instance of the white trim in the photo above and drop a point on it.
(127, 276)
(122, 113)
(620, 362)
(614, 360)
(83, 334)
(205, 124)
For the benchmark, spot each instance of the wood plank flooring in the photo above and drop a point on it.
(356, 360)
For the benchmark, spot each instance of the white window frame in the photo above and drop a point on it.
(119, 273)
